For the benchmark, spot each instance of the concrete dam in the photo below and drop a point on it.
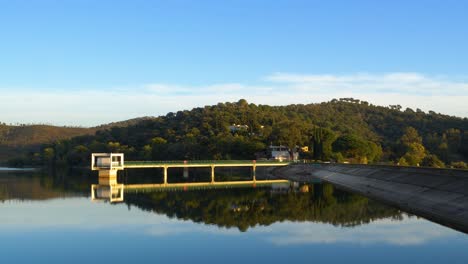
(440, 195)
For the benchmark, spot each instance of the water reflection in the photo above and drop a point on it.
(240, 208)
(250, 207)
(80, 215)
(43, 185)
(107, 190)
(247, 207)
(53, 211)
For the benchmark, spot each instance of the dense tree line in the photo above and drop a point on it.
(340, 130)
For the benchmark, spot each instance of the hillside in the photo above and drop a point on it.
(24, 135)
(22, 139)
(345, 129)
(124, 123)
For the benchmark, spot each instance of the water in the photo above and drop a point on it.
(49, 217)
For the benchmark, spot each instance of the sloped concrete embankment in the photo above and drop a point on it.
(440, 195)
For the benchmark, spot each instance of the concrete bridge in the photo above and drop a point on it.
(108, 164)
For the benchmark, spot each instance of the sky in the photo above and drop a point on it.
(85, 63)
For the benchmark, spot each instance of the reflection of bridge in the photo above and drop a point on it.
(109, 189)
(202, 185)
(109, 163)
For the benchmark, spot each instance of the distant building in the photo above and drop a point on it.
(237, 128)
(282, 153)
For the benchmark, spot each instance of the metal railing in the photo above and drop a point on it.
(188, 162)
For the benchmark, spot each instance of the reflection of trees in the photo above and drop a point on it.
(244, 208)
(42, 185)
(241, 208)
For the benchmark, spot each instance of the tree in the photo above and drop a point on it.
(290, 134)
(432, 161)
(411, 136)
(48, 155)
(147, 152)
(414, 150)
(353, 147)
(415, 154)
(321, 141)
(79, 155)
(374, 152)
(159, 148)
(459, 165)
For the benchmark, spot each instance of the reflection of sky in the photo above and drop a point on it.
(77, 226)
(410, 231)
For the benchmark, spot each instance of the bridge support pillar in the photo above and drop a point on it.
(165, 175)
(254, 169)
(107, 173)
(212, 173)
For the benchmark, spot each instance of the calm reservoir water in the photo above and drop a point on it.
(48, 217)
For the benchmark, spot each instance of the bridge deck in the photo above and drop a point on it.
(200, 164)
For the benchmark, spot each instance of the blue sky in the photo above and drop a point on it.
(151, 57)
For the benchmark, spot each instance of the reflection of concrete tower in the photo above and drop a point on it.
(108, 189)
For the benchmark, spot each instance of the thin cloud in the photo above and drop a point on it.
(163, 89)
(86, 107)
(400, 82)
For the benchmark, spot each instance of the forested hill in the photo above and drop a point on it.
(18, 141)
(23, 139)
(345, 129)
(124, 123)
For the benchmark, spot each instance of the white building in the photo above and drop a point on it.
(236, 128)
(282, 153)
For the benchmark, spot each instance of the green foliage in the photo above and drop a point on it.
(431, 160)
(459, 165)
(49, 155)
(357, 149)
(341, 129)
(411, 136)
(415, 154)
(321, 141)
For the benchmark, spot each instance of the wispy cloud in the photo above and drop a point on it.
(93, 107)
(212, 89)
(405, 83)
